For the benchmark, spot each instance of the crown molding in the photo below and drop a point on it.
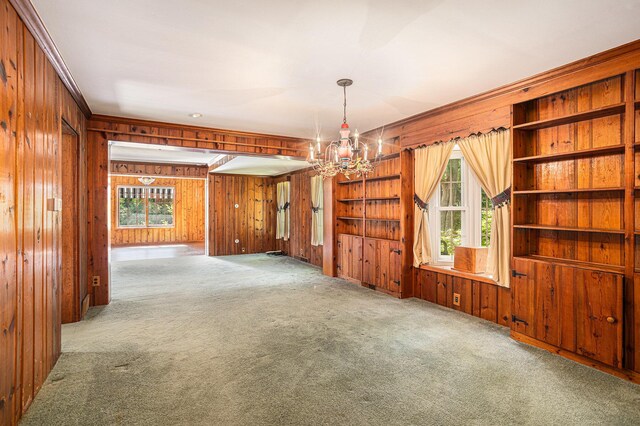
(34, 24)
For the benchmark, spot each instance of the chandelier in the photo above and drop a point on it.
(349, 156)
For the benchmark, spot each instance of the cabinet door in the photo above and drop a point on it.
(395, 270)
(369, 259)
(599, 316)
(382, 263)
(340, 256)
(522, 297)
(546, 313)
(355, 254)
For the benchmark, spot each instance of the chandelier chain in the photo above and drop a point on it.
(344, 105)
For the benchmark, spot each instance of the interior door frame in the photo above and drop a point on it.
(71, 292)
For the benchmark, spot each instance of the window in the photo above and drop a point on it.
(141, 207)
(160, 207)
(459, 212)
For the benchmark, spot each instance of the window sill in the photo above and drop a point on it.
(448, 269)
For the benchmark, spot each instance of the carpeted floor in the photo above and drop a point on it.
(256, 340)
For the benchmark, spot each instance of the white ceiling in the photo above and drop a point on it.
(147, 153)
(271, 66)
(259, 166)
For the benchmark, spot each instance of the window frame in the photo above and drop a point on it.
(471, 208)
(146, 207)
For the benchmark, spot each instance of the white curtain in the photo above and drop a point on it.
(283, 213)
(430, 164)
(489, 156)
(317, 218)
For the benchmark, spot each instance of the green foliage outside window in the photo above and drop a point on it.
(451, 196)
(131, 212)
(160, 212)
(485, 219)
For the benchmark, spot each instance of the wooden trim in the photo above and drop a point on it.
(182, 138)
(156, 175)
(622, 374)
(523, 85)
(152, 123)
(448, 270)
(36, 27)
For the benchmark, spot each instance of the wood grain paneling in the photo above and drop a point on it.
(477, 298)
(242, 214)
(189, 214)
(33, 105)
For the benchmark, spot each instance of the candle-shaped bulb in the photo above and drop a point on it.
(379, 145)
(366, 151)
(311, 152)
(318, 147)
(357, 135)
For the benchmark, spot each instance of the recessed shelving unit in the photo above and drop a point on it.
(562, 226)
(368, 221)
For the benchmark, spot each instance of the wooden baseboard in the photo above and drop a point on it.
(629, 375)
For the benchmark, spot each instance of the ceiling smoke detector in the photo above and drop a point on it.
(195, 115)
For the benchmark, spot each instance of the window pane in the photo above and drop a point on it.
(451, 184)
(485, 219)
(450, 231)
(161, 207)
(130, 207)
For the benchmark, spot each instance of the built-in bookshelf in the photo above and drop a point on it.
(571, 199)
(368, 225)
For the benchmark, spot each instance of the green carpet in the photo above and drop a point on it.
(257, 340)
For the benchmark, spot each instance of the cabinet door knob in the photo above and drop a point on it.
(611, 320)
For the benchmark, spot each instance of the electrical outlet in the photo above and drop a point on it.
(456, 299)
(96, 281)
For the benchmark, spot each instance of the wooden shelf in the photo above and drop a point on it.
(352, 200)
(564, 191)
(368, 218)
(569, 229)
(372, 179)
(572, 118)
(603, 150)
(369, 238)
(574, 263)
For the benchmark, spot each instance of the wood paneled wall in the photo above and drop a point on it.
(189, 211)
(299, 244)
(243, 209)
(102, 129)
(33, 103)
(253, 223)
